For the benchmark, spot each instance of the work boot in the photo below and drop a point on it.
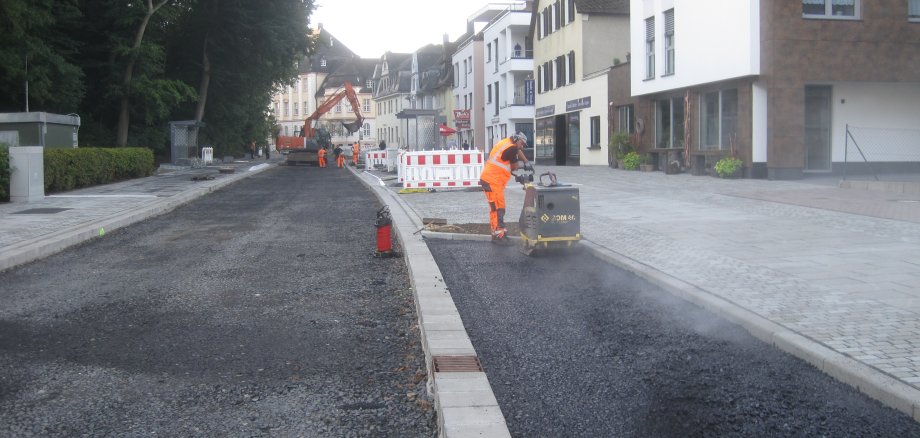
(499, 233)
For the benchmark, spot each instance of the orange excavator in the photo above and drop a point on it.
(303, 148)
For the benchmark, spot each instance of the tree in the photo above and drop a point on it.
(35, 49)
(239, 52)
(162, 94)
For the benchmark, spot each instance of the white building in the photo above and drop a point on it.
(508, 75)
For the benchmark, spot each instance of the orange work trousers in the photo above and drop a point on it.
(354, 159)
(322, 161)
(495, 195)
(340, 161)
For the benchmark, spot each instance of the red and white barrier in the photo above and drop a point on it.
(440, 169)
(374, 159)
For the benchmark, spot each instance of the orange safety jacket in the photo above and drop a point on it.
(497, 170)
(322, 153)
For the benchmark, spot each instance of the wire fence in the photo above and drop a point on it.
(183, 141)
(882, 153)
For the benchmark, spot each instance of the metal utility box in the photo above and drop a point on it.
(39, 129)
(551, 217)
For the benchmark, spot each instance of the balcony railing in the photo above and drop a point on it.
(521, 54)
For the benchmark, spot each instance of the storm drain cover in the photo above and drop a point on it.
(446, 364)
(42, 211)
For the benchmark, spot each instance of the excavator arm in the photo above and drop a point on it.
(347, 91)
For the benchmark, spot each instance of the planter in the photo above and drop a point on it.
(647, 167)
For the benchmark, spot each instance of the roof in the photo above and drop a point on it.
(612, 7)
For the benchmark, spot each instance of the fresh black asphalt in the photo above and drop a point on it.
(576, 347)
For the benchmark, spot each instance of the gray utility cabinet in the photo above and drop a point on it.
(39, 129)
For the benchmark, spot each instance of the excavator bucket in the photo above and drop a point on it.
(353, 127)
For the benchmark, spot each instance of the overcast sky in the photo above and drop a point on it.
(372, 27)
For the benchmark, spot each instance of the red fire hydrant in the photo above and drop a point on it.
(384, 224)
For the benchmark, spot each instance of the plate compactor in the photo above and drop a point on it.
(551, 215)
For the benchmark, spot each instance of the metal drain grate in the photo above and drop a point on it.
(42, 211)
(448, 364)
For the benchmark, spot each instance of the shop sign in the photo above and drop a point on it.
(577, 104)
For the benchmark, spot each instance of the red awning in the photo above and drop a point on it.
(447, 130)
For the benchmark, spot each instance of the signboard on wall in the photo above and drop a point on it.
(577, 104)
(462, 119)
(544, 111)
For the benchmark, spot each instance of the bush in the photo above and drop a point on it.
(727, 166)
(68, 169)
(632, 160)
(5, 172)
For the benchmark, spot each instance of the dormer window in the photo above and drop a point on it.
(322, 61)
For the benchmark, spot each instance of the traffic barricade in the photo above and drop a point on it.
(440, 169)
(374, 159)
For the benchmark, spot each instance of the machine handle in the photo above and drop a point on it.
(552, 179)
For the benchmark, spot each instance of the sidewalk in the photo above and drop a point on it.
(33, 230)
(830, 275)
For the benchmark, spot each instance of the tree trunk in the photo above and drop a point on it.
(205, 82)
(124, 114)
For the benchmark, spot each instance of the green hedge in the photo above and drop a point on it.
(68, 169)
(4, 173)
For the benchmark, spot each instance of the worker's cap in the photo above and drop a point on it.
(519, 136)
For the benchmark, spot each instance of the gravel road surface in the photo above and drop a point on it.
(576, 347)
(258, 310)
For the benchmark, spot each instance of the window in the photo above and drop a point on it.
(322, 62)
(596, 131)
(541, 28)
(489, 52)
(296, 108)
(465, 75)
(495, 44)
(571, 10)
(560, 71)
(489, 93)
(719, 119)
(669, 123)
(456, 74)
(571, 61)
(517, 51)
(830, 8)
(367, 129)
(625, 120)
(557, 15)
(669, 42)
(367, 106)
(544, 138)
(650, 48)
(913, 10)
(546, 21)
(540, 79)
(369, 84)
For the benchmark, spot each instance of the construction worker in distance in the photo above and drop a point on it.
(339, 156)
(354, 153)
(507, 155)
(321, 154)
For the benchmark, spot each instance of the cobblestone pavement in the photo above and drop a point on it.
(838, 266)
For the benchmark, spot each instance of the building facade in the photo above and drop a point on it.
(320, 76)
(508, 75)
(783, 85)
(575, 44)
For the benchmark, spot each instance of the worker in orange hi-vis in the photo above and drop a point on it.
(506, 156)
(321, 154)
(354, 153)
(339, 156)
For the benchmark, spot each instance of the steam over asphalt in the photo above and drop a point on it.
(575, 347)
(257, 310)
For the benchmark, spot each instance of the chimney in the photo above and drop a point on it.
(446, 39)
